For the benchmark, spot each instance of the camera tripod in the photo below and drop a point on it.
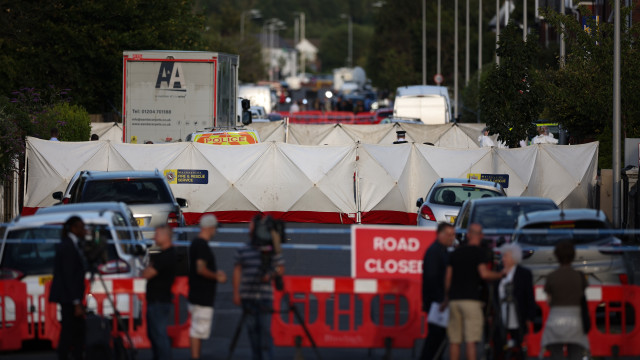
(298, 317)
(120, 352)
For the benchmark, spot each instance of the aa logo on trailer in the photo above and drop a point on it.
(171, 77)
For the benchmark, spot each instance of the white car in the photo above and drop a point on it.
(27, 251)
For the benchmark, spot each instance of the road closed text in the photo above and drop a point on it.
(389, 251)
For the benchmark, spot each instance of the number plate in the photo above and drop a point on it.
(452, 219)
(140, 221)
(44, 279)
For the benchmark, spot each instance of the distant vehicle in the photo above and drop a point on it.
(258, 112)
(404, 120)
(498, 213)
(27, 252)
(443, 201)
(259, 96)
(225, 137)
(147, 194)
(169, 94)
(604, 266)
(382, 114)
(347, 80)
(430, 110)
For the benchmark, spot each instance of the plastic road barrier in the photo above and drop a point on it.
(344, 312)
(14, 318)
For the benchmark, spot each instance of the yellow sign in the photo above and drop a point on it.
(134, 139)
(45, 279)
(227, 138)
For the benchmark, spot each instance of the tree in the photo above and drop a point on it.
(582, 100)
(512, 95)
(79, 44)
(334, 46)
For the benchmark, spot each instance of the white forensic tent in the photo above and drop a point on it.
(371, 183)
(111, 131)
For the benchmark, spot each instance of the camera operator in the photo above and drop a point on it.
(67, 288)
(258, 264)
(160, 275)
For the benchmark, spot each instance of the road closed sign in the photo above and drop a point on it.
(389, 252)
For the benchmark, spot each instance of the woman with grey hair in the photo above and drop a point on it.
(517, 303)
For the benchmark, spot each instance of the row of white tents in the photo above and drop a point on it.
(322, 183)
(462, 136)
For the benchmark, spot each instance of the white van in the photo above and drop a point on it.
(414, 105)
(431, 109)
(259, 96)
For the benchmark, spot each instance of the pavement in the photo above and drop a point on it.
(227, 315)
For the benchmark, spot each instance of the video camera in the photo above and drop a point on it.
(94, 248)
(268, 235)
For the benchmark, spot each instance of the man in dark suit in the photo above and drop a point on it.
(516, 302)
(67, 288)
(434, 267)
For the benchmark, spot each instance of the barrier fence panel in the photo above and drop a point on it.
(615, 320)
(14, 320)
(345, 312)
(133, 290)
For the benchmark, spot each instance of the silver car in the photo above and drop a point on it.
(446, 196)
(596, 253)
(147, 194)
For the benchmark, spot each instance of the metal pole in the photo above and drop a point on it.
(303, 60)
(424, 42)
(497, 30)
(562, 49)
(242, 26)
(616, 116)
(467, 52)
(455, 60)
(296, 40)
(350, 42)
(439, 56)
(480, 32)
(524, 21)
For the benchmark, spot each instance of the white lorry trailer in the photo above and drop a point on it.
(430, 104)
(167, 95)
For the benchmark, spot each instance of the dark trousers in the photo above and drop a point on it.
(258, 317)
(509, 351)
(71, 334)
(157, 323)
(435, 338)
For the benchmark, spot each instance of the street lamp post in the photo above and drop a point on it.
(497, 30)
(350, 39)
(467, 52)
(438, 64)
(424, 42)
(616, 167)
(455, 60)
(562, 49)
(255, 14)
(524, 20)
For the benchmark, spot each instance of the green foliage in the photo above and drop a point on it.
(72, 121)
(582, 91)
(79, 44)
(10, 143)
(334, 46)
(512, 96)
(470, 96)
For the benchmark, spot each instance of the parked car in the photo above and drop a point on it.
(147, 194)
(27, 252)
(498, 213)
(444, 199)
(600, 260)
(125, 217)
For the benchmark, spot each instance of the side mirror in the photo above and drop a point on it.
(183, 203)
(246, 117)
(57, 195)
(419, 202)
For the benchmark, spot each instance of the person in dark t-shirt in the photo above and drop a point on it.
(203, 278)
(160, 275)
(463, 282)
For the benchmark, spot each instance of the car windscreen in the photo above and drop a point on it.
(456, 195)
(129, 191)
(32, 251)
(505, 216)
(561, 230)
